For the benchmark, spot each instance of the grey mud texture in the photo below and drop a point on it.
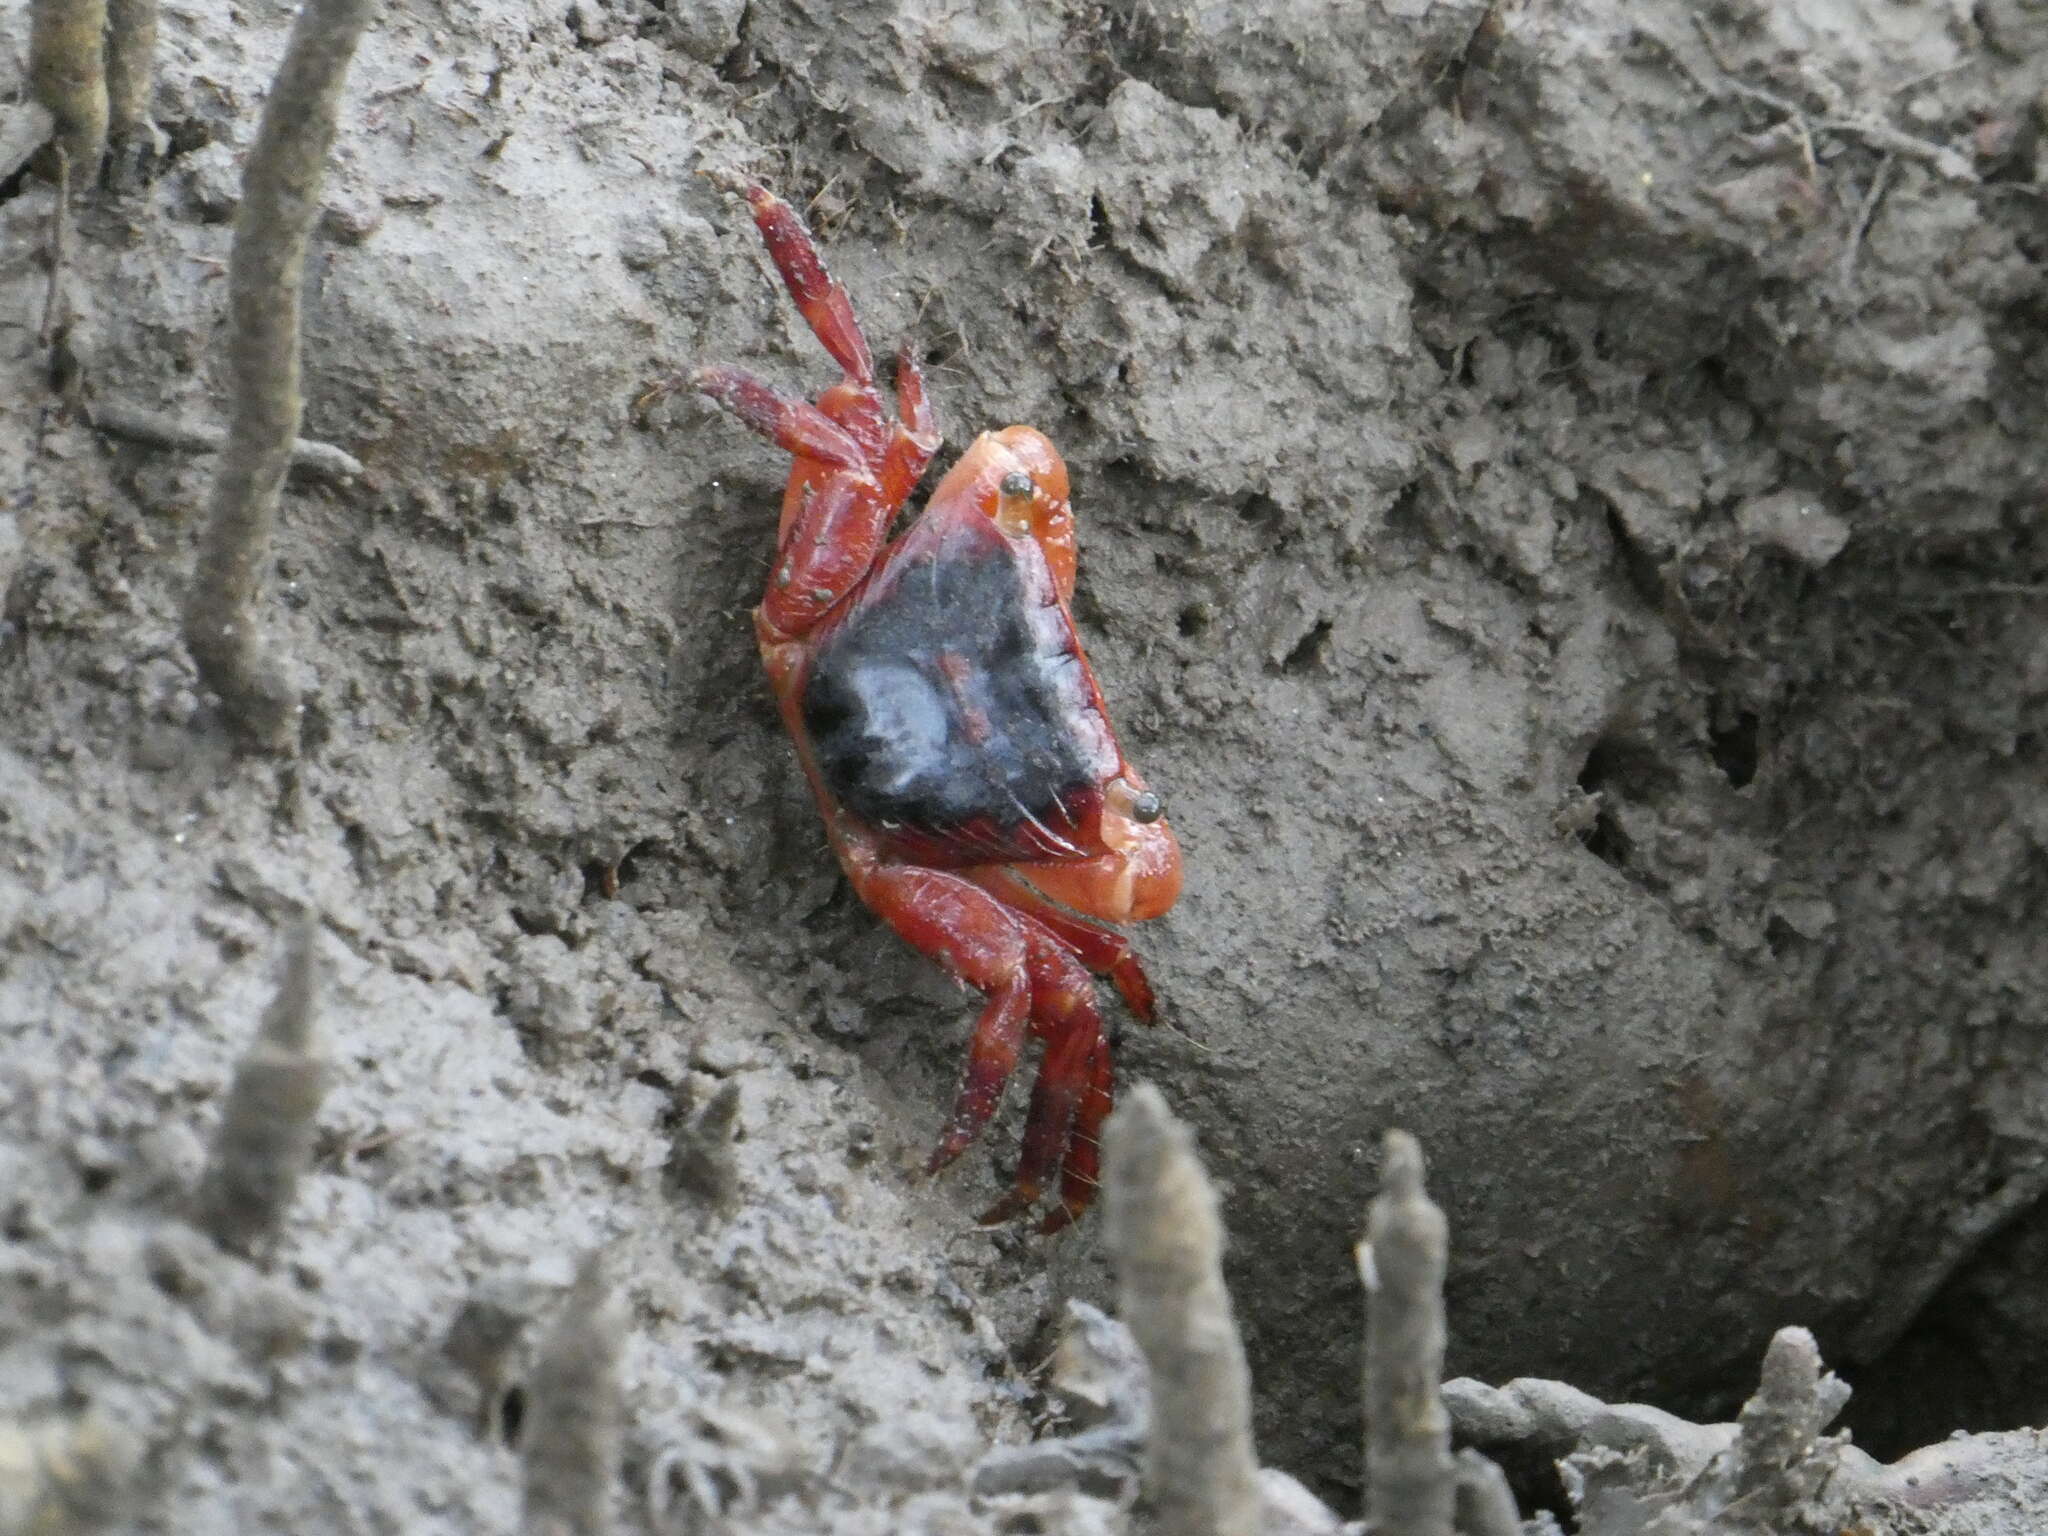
(1559, 491)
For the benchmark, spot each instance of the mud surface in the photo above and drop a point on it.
(1560, 504)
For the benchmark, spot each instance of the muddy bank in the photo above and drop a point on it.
(1558, 495)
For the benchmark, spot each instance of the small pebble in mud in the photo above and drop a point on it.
(709, 31)
(351, 218)
(213, 184)
(1794, 525)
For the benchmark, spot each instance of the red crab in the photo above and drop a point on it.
(949, 724)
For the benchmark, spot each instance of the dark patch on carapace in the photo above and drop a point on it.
(952, 703)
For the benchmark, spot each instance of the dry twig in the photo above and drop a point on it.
(1866, 210)
(160, 431)
(56, 326)
(1947, 163)
(1166, 1240)
(280, 201)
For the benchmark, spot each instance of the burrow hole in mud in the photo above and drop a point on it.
(12, 187)
(1311, 652)
(181, 136)
(511, 1415)
(602, 881)
(1098, 223)
(1734, 747)
(1617, 769)
(1262, 512)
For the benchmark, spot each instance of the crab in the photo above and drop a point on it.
(951, 729)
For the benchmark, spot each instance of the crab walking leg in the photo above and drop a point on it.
(832, 540)
(1032, 981)
(827, 309)
(916, 437)
(966, 931)
(1103, 950)
(991, 1059)
(824, 304)
(795, 426)
(840, 515)
(1080, 1177)
(1064, 1015)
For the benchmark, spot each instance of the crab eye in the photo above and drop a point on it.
(1016, 497)
(1125, 799)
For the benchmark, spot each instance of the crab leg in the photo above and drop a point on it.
(916, 437)
(854, 467)
(967, 932)
(1048, 1129)
(1103, 950)
(854, 402)
(1080, 1176)
(991, 1058)
(840, 512)
(832, 540)
(795, 426)
(824, 304)
(1032, 982)
(1064, 1015)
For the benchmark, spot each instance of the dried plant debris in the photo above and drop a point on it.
(1098, 1374)
(160, 431)
(1551, 1420)
(704, 1467)
(131, 78)
(1631, 1469)
(265, 1138)
(1775, 1472)
(701, 1161)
